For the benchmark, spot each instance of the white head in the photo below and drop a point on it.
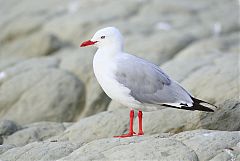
(108, 37)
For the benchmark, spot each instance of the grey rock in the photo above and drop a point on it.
(226, 155)
(206, 143)
(8, 127)
(41, 93)
(96, 101)
(136, 148)
(19, 28)
(4, 148)
(76, 19)
(102, 125)
(42, 151)
(38, 44)
(113, 105)
(222, 76)
(225, 118)
(211, 65)
(35, 132)
(81, 141)
(152, 51)
(11, 61)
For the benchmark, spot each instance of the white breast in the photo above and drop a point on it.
(104, 70)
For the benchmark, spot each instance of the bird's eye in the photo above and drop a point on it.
(102, 37)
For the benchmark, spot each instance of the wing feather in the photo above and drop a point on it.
(148, 83)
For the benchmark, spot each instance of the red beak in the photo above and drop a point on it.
(87, 43)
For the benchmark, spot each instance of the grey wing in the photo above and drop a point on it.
(148, 83)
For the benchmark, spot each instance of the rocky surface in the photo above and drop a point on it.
(190, 145)
(52, 108)
(38, 90)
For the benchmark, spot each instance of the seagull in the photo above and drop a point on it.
(135, 82)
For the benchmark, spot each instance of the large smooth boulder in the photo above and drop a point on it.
(39, 131)
(41, 151)
(102, 125)
(39, 91)
(37, 44)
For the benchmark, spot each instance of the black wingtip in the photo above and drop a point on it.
(202, 105)
(197, 105)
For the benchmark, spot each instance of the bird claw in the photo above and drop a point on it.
(130, 134)
(140, 133)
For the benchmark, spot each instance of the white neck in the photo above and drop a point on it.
(110, 51)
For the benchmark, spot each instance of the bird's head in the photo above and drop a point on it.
(106, 37)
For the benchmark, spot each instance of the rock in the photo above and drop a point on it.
(225, 118)
(23, 26)
(136, 148)
(35, 132)
(113, 105)
(41, 151)
(39, 44)
(41, 93)
(155, 53)
(226, 155)
(102, 125)
(4, 148)
(97, 100)
(8, 127)
(222, 76)
(22, 29)
(81, 141)
(79, 62)
(190, 145)
(211, 65)
(27, 65)
(11, 61)
(232, 153)
(207, 144)
(76, 21)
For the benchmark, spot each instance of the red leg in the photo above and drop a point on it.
(140, 131)
(131, 132)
